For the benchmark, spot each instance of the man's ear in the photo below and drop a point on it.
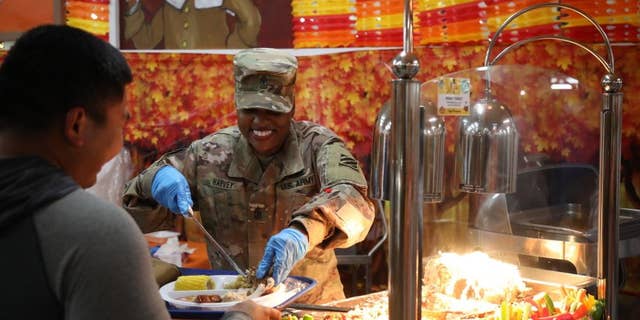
(75, 125)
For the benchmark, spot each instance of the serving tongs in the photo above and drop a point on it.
(217, 245)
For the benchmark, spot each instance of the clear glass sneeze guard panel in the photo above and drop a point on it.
(546, 228)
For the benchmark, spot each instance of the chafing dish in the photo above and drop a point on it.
(552, 220)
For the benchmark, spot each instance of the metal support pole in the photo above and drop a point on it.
(608, 194)
(405, 248)
(406, 202)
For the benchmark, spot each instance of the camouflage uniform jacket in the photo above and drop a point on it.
(314, 181)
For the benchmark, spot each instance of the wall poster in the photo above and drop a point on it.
(205, 24)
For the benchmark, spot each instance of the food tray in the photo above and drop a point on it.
(537, 280)
(295, 287)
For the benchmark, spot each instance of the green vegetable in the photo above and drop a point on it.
(307, 317)
(549, 303)
(597, 310)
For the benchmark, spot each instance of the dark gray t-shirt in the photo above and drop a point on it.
(97, 260)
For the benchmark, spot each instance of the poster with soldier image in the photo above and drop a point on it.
(204, 24)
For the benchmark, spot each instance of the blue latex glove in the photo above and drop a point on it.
(283, 250)
(153, 250)
(171, 190)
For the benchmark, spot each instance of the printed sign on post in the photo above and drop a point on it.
(453, 96)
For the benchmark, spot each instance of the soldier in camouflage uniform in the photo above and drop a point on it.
(267, 177)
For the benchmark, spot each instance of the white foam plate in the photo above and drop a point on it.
(282, 293)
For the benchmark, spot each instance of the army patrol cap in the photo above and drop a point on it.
(265, 79)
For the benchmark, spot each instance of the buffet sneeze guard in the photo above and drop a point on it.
(405, 153)
(608, 210)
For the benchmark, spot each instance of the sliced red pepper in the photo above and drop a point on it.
(543, 312)
(562, 316)
(580, 312)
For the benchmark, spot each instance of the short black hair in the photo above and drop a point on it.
(53, 68)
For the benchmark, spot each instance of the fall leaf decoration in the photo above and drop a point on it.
(176, 98)
(378, 23)
(89, 15)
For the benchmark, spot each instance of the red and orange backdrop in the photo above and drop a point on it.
(176, 98)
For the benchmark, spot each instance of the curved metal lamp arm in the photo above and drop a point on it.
(610, 65)
(552, 37)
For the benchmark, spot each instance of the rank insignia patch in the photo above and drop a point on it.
(347, 161)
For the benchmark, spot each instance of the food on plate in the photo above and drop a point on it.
(235, 295)
(240, 282)
(269, 285)
(251, 281)
(208, 298)
(197, 282)
(213, 289)
(229, 296)
(202, 298)
(239, 289)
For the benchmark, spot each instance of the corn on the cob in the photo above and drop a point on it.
(194, 283)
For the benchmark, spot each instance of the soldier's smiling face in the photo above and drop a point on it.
(266, 131)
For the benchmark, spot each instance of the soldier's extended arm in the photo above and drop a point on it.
(341, 214)
(138, 199)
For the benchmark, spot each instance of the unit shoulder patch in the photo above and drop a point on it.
(340, 166)
(348, 161)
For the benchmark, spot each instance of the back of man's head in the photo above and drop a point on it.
(54, 68)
